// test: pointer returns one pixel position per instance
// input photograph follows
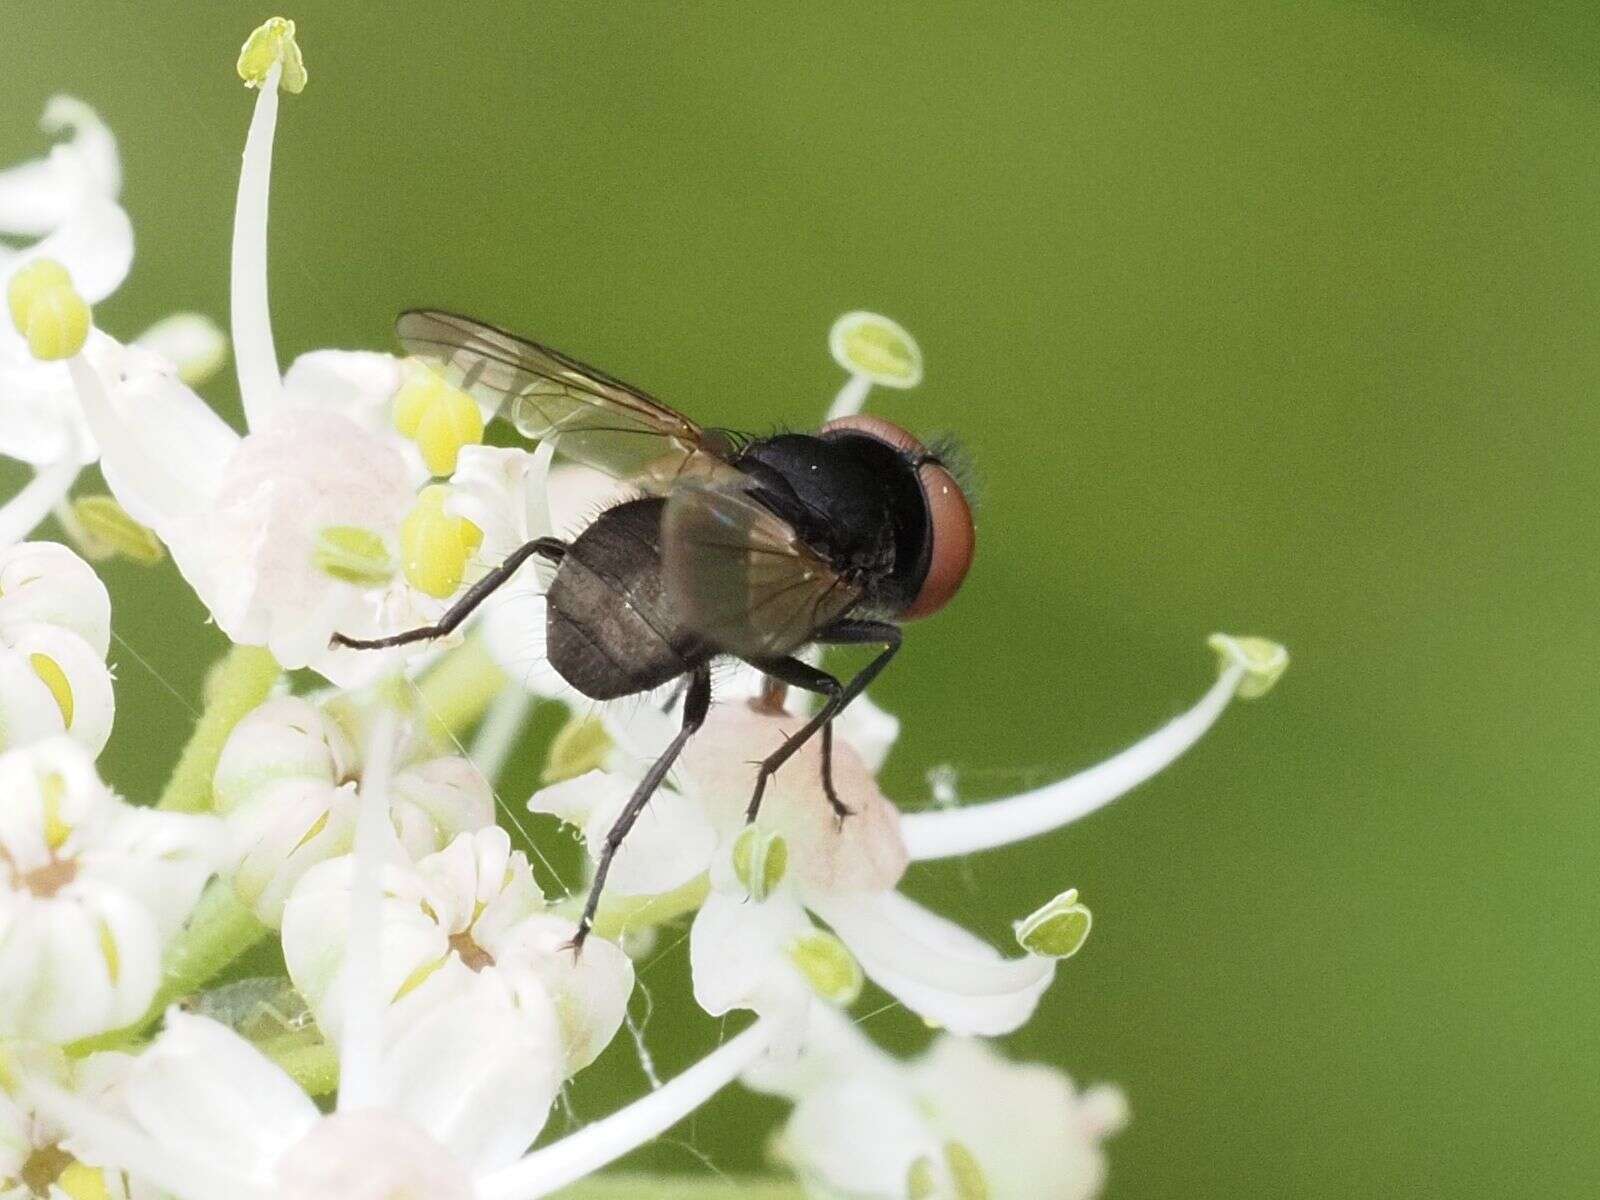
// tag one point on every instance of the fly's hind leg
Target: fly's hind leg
(796, 673)
(545, 547)
(697, 701)
(840, 633)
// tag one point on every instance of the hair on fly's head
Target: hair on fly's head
(949, 453)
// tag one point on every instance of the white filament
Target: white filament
(255, 356)
(950, 833)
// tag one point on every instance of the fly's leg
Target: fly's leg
(545, 547)
(840, 633)
(696, 702)
(795, 673)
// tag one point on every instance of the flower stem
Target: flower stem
(459, 688)
(953, 832)
(242, 680)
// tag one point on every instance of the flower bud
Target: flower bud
(106, 527)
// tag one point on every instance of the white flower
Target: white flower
(311, 523)
(34, 1161)
(91, 889)
(472, 909)
(55, 630)
(287, 786)
(959, 1123)
(752, 944)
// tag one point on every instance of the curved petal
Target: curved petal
(38, 195)
(210, 1096)
(94, 244)
(46, 582)
(77, 697)
(473, 1064)
(937, 969)
(736, 954)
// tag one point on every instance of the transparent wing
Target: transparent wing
(741, 578)
(599, 420)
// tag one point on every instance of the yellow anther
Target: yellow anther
(876, 348)
(1264, 662)
(47, 310)
(828, 965)
(56, 830)
(108, 528)
(582, 745)
(921, 1181)
(113, 957)
(965, 1172)
(760, 861)
(270, 44)
(1057, 929)
(439, 418)
(435, 546)
(53, 677)
(83, 1182)
(353, 554)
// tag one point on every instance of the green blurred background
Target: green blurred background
(1271, 317)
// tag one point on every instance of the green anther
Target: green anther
(873, 346)
(270, 44)
(760, 861)
(829, 967)
(47, 310)
(1056, 930)
(965, 1172)
(106, 525)
(583, 745)
(1264, 662)
(921, 1182)
(352, 554)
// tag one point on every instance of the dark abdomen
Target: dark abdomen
(610, 627)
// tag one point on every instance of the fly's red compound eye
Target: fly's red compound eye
(949, 514)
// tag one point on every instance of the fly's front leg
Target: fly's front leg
(697, 701)
(546, 547)
(840, 633)
(796, 673)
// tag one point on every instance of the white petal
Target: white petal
(46, 582)
(669, 844)
(858, 1137)
(41, 421)
(1030, 1131)
(29, 713)
(474, 1064)
(162, 450)
(590, 991)
(286, 738)
(370, 1154)
(94, 243)
(490, 489)
(193, 344)
(736, 953)
(211, 1096)
(937, 969)
(38, 195)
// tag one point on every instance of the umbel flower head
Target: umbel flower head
(435, 1005)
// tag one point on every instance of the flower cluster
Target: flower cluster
(316, 966)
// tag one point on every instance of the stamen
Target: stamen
(270, 56)
(47, 310)
(360, 1045)
(954, 832)
(1057, 929)
(874, 350)
(606, 1140)
(109, 528)
(435, 546)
